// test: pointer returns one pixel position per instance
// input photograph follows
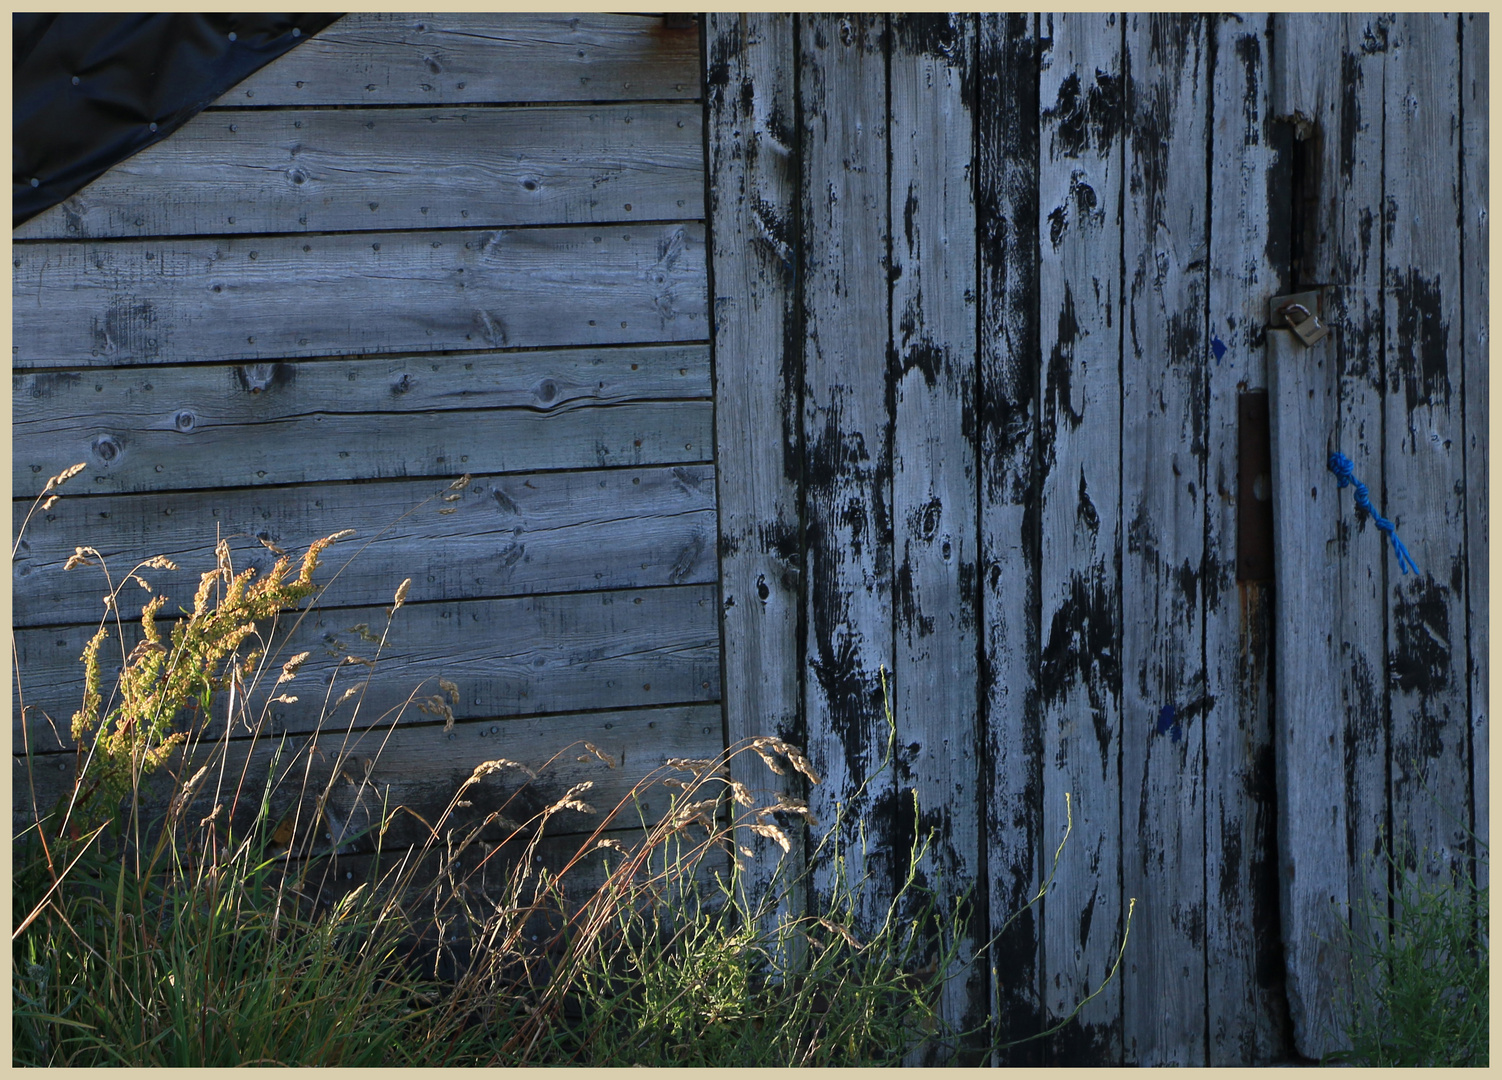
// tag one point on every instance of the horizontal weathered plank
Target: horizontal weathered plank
(509, 657)
(258, 298)
(129, 452)
(546, 381)
(508, 536)
(422, 769)
(396, 59)
(261, 171)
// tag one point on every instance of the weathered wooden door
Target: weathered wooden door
(990, 300)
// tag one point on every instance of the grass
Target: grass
(1424, 1001)
(179, 909)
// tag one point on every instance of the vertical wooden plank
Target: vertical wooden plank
(1166, 704)
(933, 331)
(1079, 682)
(1474, 338)
(1328, 79)
(1008, 370)
(1302, 388)
(1423, 458)
(848, 450)
(1247, 263)
(758, 363)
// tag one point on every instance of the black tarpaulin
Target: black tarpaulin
(91, 90)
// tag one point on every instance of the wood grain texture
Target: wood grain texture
(326, 170)
(1303, 388)
(1247, 263)
(276, 297)
(753, 200)
(422, 768)
(1334, 89)
(509, 657)
(933, 331)
(847, 429)
(470, 57)
(1166, 705)
(1347, 250)
(130, 457)
(1475, 271)
(505, 536)
(1424, 465)
(1081, 145)
(1008, 448)
(138, 446)
(542, 380)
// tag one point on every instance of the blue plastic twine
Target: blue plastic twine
(1340, 465)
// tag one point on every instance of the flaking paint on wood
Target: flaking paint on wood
(1008, 374)
(1423, 464)
(1081, 98)
(753, 198)
(1166, 705)
(1247, 259)
(933, 330)
(1303, 389)
(847, 431)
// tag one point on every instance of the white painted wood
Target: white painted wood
(1303, 387)
(477, 56)
(1242, 939)
(933, 330)
(505, 536)
(1081, 96)
(275, 297)
(1008, 372)
(1166, 706)
(847, 430)
(326, 170)
(753, 200)
(509, 657)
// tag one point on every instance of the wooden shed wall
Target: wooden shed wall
(990, 300)
(990, 360)
(417, 246)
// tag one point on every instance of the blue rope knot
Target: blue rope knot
(1340, 465)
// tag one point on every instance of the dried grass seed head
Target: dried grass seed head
(63, 477)
(289, 669)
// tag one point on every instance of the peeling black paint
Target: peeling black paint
(1350, 111)
(1080, 650)
(726, 46)
(1085, 513)
(1422, 367)
(1086, 119)
(1058, 398)
(1421, 659)
(1248, 50)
